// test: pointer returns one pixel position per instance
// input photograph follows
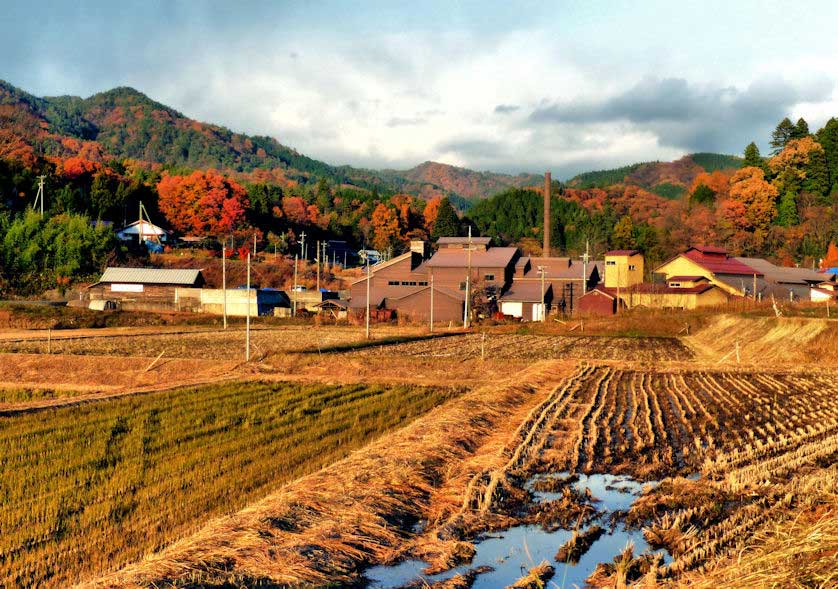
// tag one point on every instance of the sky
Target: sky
(502, 86)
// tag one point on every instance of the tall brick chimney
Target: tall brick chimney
(547, 182)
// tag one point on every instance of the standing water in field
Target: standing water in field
(511, 553)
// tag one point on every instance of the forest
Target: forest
(102, 156)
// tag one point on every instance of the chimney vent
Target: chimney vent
(547, 182)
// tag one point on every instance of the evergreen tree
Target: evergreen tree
(787, 210)
(753, 158)
(828, 138)
(817, 174)
(703, 194)
(801, 129)
(784, 132)
(447, 222)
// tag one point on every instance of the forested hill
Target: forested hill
(124, 123)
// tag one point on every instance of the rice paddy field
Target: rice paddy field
(526, 459)
(86, 489)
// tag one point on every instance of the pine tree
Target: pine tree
(784, 132)
(817, 174)
(787, 210)
(801, 129)
(828, 138)
(753, 158)
(447, 222)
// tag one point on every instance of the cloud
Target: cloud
(691, 116)
(405, 121)
(505, 109)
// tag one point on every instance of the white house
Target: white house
(140, 231)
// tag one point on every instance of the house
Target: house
(714, 264)
(598, 301)
(141, 231)
(676, 294)
(569, 278)
(623, 268)
(392, 279)
(782, 282)
(826, 291)
(143, 289)
(524, 300)
(448, 304)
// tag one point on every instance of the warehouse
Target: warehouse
(142, 289)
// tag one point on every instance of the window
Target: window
(462, 286)
(408, 283)
(423, 284)
(393, 283)
(610, 263)
(632, 267)
(675, 284)
(489, 277)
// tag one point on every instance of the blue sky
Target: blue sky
(505, 86)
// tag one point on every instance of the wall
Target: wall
(596, 303)
(417, 307)
(619, 275)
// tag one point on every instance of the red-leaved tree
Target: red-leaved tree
(203, 203)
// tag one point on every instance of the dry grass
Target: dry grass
(323, 527)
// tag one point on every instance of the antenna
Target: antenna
(39, 197)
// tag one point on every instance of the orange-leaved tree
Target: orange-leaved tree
(753, 205)
(385, 227)
(203, 203)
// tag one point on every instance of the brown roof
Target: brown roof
(651, 288)
(783, 274)
(685, 278)
(453, 293)
(494, 257)
(526, 291)
(598, 290)
(622, 253)
(464, 240)
(558, 269)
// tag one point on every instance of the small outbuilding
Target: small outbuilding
(524, 300)
(598, 301)
(143, 289)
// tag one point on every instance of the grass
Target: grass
(29, 394)
(86, 489)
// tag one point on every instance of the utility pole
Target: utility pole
(247, 326)
(294, 301)
(318, 266)
(466, 309)
(432, 302)
(39, 196)
(585, 259)
(368, 299)
(303, 244)
(542, 271)
(254, 245)
(224, 281)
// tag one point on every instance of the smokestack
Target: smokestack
(547, 182)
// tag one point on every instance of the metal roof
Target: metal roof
(622, 253)
(151, 276)
(494, 257)
(776, 273)
(464, 240)
(527, 292)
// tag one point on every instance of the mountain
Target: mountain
(667, 179)
(125, 123)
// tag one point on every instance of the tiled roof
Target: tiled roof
(151, 276)
(686, 278)
(494, 257)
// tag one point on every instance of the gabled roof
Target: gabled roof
(444, 290)
(782, 274)
(333, 303)
(653, 288)
(709, 250)
(559, 269)
(718, 262)
(381, 265)
(180, 277)
(622, 253)
(686, 278)
(528, 292)
(463, 240)
(599, 290)
(494, 257)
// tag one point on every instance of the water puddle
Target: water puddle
(513, 552)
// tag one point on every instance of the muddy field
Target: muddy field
(539, 347)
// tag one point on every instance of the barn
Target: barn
(143, 289)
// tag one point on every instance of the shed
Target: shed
(598, 302)
(144, 289)
(334, 308)
(448, 304)
(524, 300)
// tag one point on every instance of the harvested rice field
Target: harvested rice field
(538, 347)
(463, 460)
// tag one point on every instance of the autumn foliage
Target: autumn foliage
(203, 203)
(752, 200)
